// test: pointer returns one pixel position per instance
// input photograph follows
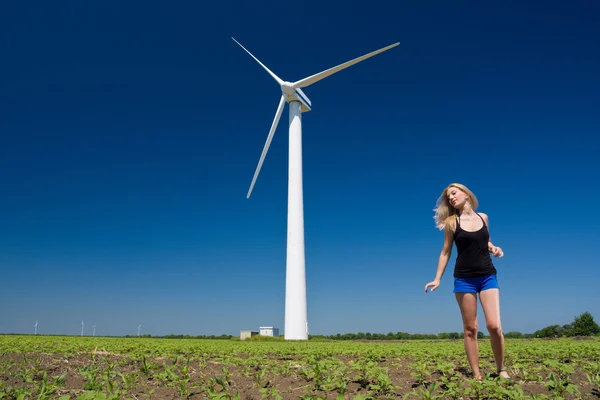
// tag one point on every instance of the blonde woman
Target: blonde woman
(474, 272)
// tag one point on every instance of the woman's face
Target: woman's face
(457, 197)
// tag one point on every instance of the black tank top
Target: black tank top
(473, 257)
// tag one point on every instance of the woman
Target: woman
(474, 271)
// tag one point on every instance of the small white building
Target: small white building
(247, 334)
(268, 331)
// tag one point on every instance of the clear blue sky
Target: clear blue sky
(130, 133)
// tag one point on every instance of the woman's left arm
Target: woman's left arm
(495, 250)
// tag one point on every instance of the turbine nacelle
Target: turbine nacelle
(290, 93)
(288, 88)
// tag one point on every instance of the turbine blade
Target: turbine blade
(278, 79)
(267, 143)
(304, 95)
(321, 75)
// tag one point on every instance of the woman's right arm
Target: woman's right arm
(442, 261)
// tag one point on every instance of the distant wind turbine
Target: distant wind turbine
(35, 326)
(81, 328)
(94, 326)
(139, 327)
(296, 322)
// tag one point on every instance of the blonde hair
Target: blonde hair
(445, 214)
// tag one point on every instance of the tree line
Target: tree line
(582, 325)
(221, 337)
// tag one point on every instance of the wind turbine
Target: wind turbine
(35, 326)
(81, 328)
(139, 327)
(296, 323)
(94, 331)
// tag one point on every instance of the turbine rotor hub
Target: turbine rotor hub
(288, 88)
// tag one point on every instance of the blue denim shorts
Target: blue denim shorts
(475, 285)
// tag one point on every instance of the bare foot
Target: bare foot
(478, 378)
(503, 374)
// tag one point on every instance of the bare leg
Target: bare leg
(468, 309)
(490, 302)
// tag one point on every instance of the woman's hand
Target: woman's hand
(433, 284)
(496, 251)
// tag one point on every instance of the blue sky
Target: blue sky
(131, 131)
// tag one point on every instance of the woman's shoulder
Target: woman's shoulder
(484, 216)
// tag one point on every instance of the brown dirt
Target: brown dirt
(20, 373)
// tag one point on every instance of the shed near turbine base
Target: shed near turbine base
(269, 331)
(247, 334)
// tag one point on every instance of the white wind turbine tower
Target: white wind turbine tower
(296, 323)
(139, 327)
(94, 330)
(81, 328)
(35, 326)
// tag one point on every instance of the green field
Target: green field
(52, 367)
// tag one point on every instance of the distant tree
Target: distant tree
(550, 331)
(567, 329)
(448, 335)
(584, 325)
(513, 335)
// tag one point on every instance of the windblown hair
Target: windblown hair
(445, 213)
